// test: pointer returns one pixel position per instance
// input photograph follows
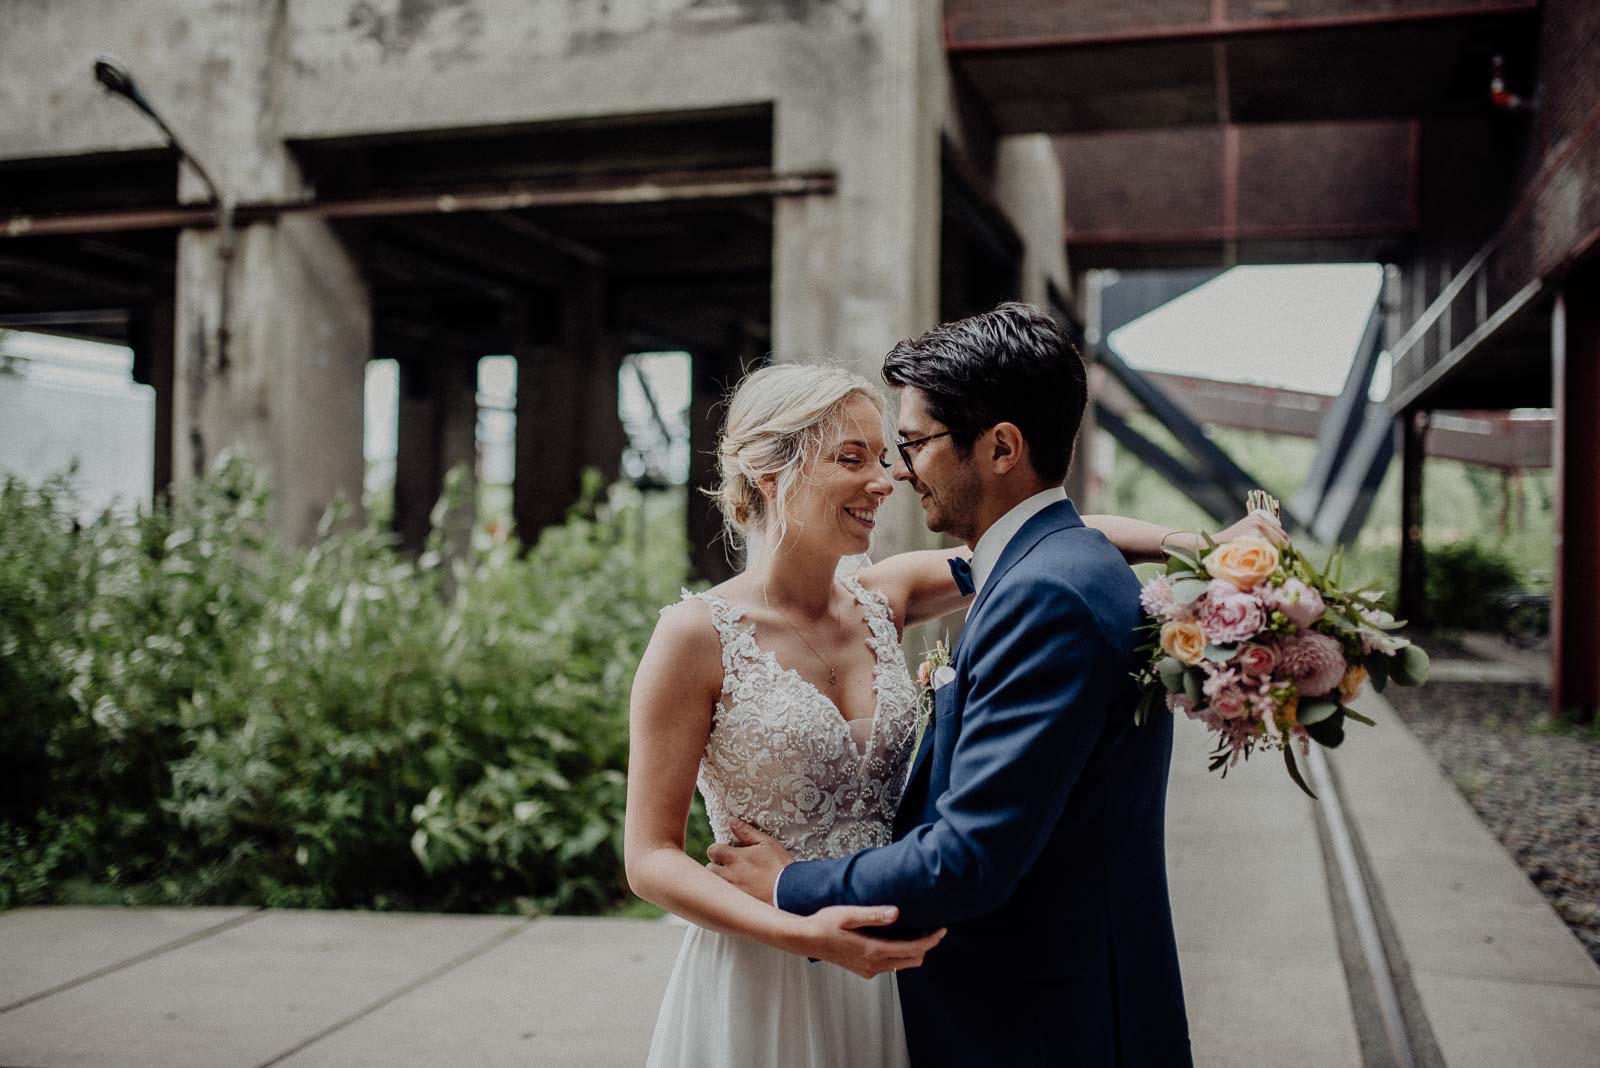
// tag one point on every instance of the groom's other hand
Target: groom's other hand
(752, 865)
(834, 934)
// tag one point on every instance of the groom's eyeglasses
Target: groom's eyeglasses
(905, 447)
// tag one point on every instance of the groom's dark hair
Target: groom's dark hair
(1010, 365)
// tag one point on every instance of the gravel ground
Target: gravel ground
(1537, 788)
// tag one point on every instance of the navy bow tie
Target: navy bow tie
(962, 570)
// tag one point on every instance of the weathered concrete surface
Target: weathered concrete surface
(241, 996)
(293, 392)
(1251, 909)
(1501, 978)
(562, 992)
(45, 948)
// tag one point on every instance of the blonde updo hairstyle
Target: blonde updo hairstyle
(778, 418)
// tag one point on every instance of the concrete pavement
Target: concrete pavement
(1500, 978)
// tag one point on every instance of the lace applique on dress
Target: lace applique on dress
(782, 758)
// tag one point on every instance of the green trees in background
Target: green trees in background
(192, 711)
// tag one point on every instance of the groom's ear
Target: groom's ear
(1006, 448)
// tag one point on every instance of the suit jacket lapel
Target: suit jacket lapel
(1058, 516)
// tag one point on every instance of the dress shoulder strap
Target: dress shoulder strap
(875, 606)
(736, 634)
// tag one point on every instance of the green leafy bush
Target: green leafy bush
(192, 711)
(1464, 582)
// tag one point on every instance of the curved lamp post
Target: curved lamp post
(116, 79)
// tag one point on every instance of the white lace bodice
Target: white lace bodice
(782, 758)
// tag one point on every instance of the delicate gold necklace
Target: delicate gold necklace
(833, 676)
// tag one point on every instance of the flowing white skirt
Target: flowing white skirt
(734, 1003)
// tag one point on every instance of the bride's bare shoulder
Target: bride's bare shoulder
(686, 637)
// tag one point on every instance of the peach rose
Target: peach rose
(1354, 679)
(1243, 561)
(1185, 642)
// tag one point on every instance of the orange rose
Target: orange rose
(1243, 561)
(1355, 677)
(1185, 642)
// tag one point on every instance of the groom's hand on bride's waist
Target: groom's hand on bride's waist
(834, 934)
(753, 863)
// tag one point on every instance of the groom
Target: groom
(1032, 823)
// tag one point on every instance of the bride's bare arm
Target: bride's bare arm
(920, 587)
(669, 721)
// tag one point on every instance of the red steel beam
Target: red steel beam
(1575, 345)
(1218, 26)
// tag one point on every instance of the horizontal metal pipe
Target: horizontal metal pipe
(676, 187)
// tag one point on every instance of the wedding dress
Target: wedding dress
(782, 758)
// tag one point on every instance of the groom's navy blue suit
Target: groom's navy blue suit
(1033, 827)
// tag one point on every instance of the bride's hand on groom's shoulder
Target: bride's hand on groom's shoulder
(834, 934)
(1255, 525)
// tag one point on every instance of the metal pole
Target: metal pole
(1413, 434)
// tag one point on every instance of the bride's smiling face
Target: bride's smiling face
(835, 505)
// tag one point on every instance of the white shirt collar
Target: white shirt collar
(987, 552)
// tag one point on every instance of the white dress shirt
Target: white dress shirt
(987, 552)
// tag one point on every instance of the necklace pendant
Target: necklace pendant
(833, 678)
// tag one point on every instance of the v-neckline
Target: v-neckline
(742, 616)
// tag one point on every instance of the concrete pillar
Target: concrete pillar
(1412, 596)
(566, 407)
(713, 371)
(858, 271)
(150, 335)
(1028, 188)
(438, 431)
(1575, 338)
(292, 391)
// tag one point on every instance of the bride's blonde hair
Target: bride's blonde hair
(777, 419)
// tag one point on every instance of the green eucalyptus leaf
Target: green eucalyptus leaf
(1409, 667)
(1220, 654)
(1171, 671)
(1146, 572)
(1188, 591)
(1315, 711)
(1185, 555)
(1191, 685)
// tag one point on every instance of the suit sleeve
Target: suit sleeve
(1035, 708)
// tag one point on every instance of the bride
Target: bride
(784, 695)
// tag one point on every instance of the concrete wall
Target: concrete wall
(857, 87)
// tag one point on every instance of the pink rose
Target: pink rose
(1258, 660)
(1229, 614)
(1314, 661)
(1302, 604)
(1229, 703)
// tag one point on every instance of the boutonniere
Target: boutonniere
(934, 673)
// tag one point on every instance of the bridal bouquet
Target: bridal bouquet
(1264, 649)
